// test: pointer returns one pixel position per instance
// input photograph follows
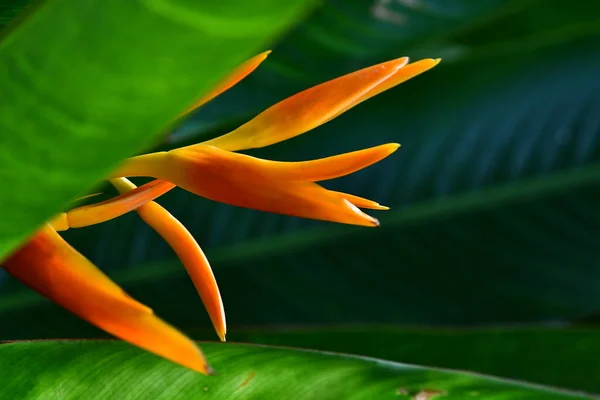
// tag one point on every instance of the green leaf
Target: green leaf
(10, 12)
(73, 370)
(85, 85)
(552, 356)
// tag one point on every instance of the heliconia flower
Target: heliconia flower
(211, 170)
(49, 265)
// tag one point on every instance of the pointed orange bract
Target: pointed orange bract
(361, 202)
(188, 251)
(308, 109)
(237, 75)
(402, 75)
(250, 182)
(315, 170)
(50, 266)
(112, 208)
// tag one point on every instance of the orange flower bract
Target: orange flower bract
(50, 266)
(279, 187)
(191, 255)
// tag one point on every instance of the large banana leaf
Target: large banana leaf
(85, 84)
(113, 370)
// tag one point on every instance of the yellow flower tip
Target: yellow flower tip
(360, 202)
(392, 147)
(418, 67)
(262, 56)
(232, 79)
(379, 207)
(371, 205)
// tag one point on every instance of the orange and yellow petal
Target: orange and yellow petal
(250, 182)
(311, 171)
(188, 251)
(402, 75)
(175, 163)
(50, 266)
(308, 109)
(236, 76)
(112, 208)
(361, 202)
(299, 199)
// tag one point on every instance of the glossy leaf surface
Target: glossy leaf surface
(72, 370)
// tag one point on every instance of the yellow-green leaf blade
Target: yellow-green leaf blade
(110, 370)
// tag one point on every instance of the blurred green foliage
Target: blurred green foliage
(495, 209)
